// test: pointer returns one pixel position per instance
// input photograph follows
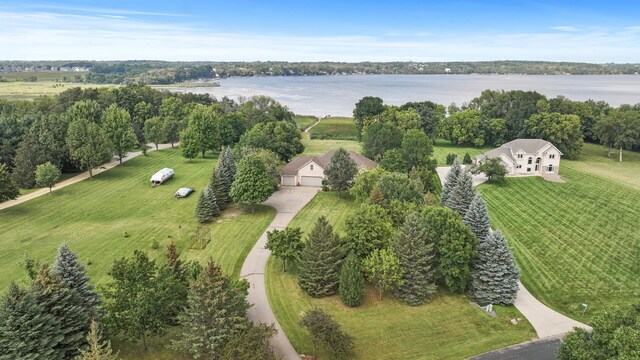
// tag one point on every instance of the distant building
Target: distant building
(447, 71)
(309, 170)
(527, 157)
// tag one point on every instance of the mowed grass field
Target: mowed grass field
(443, 147)
(93, 215)
(335, 128)
(304, 121)
(446, 328)
(319, 147)
(20, 90)
(576, 242)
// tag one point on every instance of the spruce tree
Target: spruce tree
(27, 331)
(450, 181)
(67, 308)
(207, 206)
(226, 168)
(462, 194)
(352, 281)
(494, 278)
(74, 275)
(477, 218)
(215, 311)
(319, 264)
(416, 254)
(98, 349)
(219, 191)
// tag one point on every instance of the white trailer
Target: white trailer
(162, 176)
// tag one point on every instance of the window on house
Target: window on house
(311, 166)
(519, 167)
(519, 156)
(528, 169)
(550, 167)
(552, 156)
(530, 161)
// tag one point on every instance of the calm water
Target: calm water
(336, 95)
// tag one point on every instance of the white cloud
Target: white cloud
(566, 28)
(50, 35)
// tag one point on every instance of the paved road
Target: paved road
(541, 349)
(287, 201)
(546, 321)
(77, 178)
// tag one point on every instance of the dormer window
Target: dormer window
(552, 156)
(519, 156)
(311, 166)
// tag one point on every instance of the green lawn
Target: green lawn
(21, 90)
(444, 147)
(577, 242)
(304, 121)
(92, 216)
(319, 147)
(335, 128)
(448, 327)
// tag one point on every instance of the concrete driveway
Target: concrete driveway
(287, 201)
(546, 321)
(444, 170)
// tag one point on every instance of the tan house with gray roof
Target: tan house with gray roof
(527, 157)
(309, 170)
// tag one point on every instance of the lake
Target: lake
(337, 95)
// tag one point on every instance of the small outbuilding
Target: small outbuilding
(309, 170)
(162, 176)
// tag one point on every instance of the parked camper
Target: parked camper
(162, 176)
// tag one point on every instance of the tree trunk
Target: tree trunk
(157, 146)
(144, 342)
(203, 151)
(609, 154)
(171, 145)
(620, 153)
(284, 265)
(50, 187)
(90, 172)
(120, 159)
(380, 291)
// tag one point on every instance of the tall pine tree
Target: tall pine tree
(207, 206)
(27, 331)
(477, 218)
(319, 265)
(74, 275)
(352, 281)
(494, 279)
(67, 307)
(226, 168)
(450, 181)
(462, 194)
(215, 311)
(219, 191)
(416, 254)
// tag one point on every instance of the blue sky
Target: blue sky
(589, 31)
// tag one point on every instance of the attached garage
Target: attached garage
(288, 180)
(311, 181)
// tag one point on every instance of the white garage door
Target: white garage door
(289, 180)
(311, 181)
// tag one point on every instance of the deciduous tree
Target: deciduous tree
(283, 138)
(87, 144)
(47, 175)
(325, 330)
(416, 149)
(392, 161)
(116, 125)
(368, 229)
(251, 343)
(252, 183)
(382, 269)
(155, 131)
(8, 189)
(564, 131)
(493, 168)
(378, 138)
(285, 244)
(365, 108)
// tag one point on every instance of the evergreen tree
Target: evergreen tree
(477, 218)
(320, 260)
(416, 255)
(377, 197)
(27, 331)
(207, 206)
(67, 308)
(352, 281)
(98, 349)
(219, 191)
(341, 171)
(74, 275)
(8, 188)
(251, 343)
(462, 194)
(495, 275)
(226, 168)
(324, 329)
(215, 311)
(175, 263)
(450, 181)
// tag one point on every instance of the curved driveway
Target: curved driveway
(287, 201)
(546, 321)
